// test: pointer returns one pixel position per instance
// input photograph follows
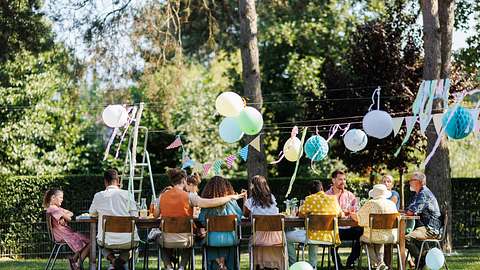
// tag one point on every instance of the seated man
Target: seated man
(113, 201)
(425, 205)
(315, 204)
(348, 204)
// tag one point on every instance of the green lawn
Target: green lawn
(467, 259)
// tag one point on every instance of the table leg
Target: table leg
(387, 257)
(401, 240)
(93, 246)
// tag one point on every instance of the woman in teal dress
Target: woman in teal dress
(220, 187)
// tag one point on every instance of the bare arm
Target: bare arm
(214, 202)
(394, 199)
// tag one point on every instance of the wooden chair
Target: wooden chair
(382, 222)
(267, 223)
(57, 245)
(177, 225)
(227, 223)
(321, 223)
(118, 224)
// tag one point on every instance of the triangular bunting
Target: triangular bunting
(229, 160)
(437, 122)
(397, 124)
(256, 143)
(217, 166)
(243, 153)
(424, 121)
(206, 168)
(175, 144)
(188, 163)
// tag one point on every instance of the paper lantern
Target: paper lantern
(115, 116)
(292, 149)
(355, 140)
(250, 121)
(461, 123)
(316, 148)
(301, 266)
(229, 130)
(435, 259)
(229, 104)
(378, 124)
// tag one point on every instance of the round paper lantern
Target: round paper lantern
(115, 116)
(461, 123)
(316, 148)
(435, 259)
(250, 121)
(377, 124)
(229, 104)
(301, 266)
(292, 149)
(355, 140)
(229, 130)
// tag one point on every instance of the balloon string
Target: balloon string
(375, 92)
(282, 155)
(294, 132)
(333, 130)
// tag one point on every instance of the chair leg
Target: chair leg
(99, 258)
(205, 262)
(250, 251)
(145, 256)
(56, 254)
(133, 259)
(335, 258)
(51, 256)
(419, 256)
(323, 255)
(159, 258)
(238, 256)
(368, 258)
(400, 265)
(361, 255)
(303, 251)
(330, 251)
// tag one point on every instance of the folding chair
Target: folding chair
(268, 223)
(177, 233)
(321, 223)
(57, 245)
(227, 223)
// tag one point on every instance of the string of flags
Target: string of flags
(216, 165)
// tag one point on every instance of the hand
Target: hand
(244, 192)
(62, 222)
(409, 213)
(354, 216)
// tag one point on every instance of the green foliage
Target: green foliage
(464, 158)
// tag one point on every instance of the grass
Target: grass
(465, 259)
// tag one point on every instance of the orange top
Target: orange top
(175, 203)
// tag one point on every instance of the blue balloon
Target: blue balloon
(229, 130)
(316, 148)
(460, 125)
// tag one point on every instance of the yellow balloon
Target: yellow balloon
(292, 149)
(229, 104)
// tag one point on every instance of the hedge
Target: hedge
(21, 201)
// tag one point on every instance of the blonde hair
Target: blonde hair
(388, 176)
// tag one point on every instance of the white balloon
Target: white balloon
(355, 140)
(292, 149)
(435, 259)
(378, 124)
(229, 104)
(301, 266)
(115, 116)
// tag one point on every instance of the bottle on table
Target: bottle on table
(143, 211)
(152, 206)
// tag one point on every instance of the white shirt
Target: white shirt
(258, 210)
(113, 201)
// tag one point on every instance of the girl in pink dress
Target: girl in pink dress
(79, 243)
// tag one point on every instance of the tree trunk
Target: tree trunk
(256, 162)
(437, 47)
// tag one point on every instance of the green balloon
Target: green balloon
(250, 121)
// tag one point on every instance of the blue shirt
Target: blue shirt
(425, 205)
(395, 194)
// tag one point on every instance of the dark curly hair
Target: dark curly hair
(260, 191)
(217, 187)
(176, 176)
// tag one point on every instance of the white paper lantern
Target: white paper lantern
(378, 124)
(115, 116)
(355, 140)
(292, 149)
(229, 104)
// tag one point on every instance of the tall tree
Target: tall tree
(437, 30)
(256, 162)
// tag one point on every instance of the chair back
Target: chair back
(119, 224)
(48, 220)
(222, 224)
(384, 221)
(177, 232)
(269, 223)
(320, 222)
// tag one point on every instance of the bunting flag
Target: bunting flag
(175, 144)
(256, 143)
(206, 168)
(397, 124)
(217, 166)
(188, 163)
(424, 121)
(243, 153)
(229, 160)
(437, 122)
(410, 123)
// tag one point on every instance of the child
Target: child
(79, 243)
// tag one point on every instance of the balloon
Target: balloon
(301, 266)
(250, 121)
(435, 259)
(229, 104)
(460, 125)
(229, 130)
(292, 149)
(355, 140)
(115, 116)
(378, 124)
(316, 148)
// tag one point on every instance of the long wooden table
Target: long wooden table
(290, 222)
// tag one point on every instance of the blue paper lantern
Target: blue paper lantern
(316, 148)
(461, 123)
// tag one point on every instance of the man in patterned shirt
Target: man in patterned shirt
(425, 205)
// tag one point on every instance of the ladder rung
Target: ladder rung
(135, 177)
(141, 164)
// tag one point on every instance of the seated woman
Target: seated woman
(262, 202)
(176, 202)
(220, 257)
(79, 243)
(379, 204)
(387, 180)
